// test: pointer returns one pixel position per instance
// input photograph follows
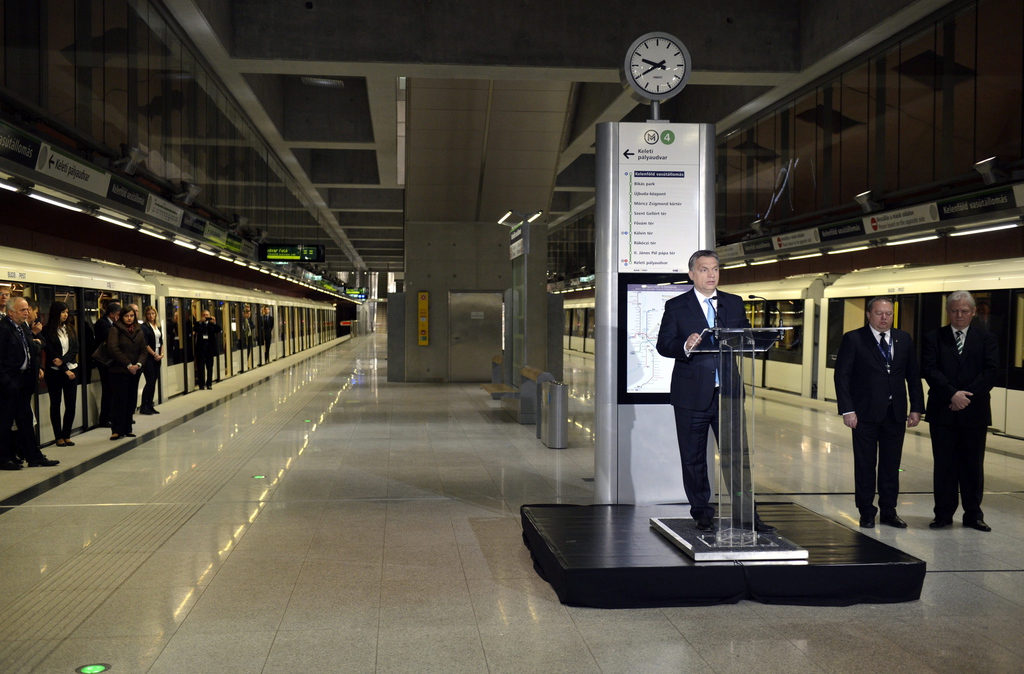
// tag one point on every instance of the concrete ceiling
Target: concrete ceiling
(438, 112)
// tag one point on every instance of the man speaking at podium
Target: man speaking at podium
(695, 376)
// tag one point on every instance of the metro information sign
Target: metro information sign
(292, 252)
(659, 185)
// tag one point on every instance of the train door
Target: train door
(93, 310)
(284, 330)
(226, 343)
(192, 315)
(247, 324)
(177, 349)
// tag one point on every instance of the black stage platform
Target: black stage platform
(608, 556)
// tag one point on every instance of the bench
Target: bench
(497, 388)
(524, 405)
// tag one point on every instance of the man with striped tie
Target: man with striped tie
(960, 362)
(876, 369)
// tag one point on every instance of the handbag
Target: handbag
(101, 356)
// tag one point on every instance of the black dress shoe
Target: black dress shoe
(939, 522)
(10, 465)
(129, 435)
(893, 520)
(762, 527)
(979, 525)
(43, 463)
(867, 521)
(704, 524)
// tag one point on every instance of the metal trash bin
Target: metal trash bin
(554, 413)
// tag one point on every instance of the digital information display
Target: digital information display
(292, 252)
(645, 376)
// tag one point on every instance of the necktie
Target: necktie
(24, 345)
(959, 342)
(711, 323)
(884, 346)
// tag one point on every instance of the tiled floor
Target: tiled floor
(328, 521)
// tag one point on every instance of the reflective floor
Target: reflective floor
(328, 521)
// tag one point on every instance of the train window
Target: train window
(906, 315)
(779, 313)
(174, 349)
(844, 314)
(247, 335)
(577, 322)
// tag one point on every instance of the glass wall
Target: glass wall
(910, 118)
(113, 73)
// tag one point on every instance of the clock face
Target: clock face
(657, 66)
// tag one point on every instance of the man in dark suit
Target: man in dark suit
(100, 330)
(695, 376)
(875, 368)
(266, 332)
(960, 363)
(205, 333)
(18, 375)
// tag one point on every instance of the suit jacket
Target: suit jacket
(863, 385)
(99, 333)
(51, 344)
(693, 376)
(947, 372)
(12, 357)
(266, 329)
(205, 335)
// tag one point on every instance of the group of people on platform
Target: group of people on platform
(129, 344)
(879, 391)
(21, 367)
(879, 394)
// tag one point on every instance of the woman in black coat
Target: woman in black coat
(127, 347)
(60, 371)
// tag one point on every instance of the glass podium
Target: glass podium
(735, 536)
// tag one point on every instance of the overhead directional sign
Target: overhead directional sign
(292, 252)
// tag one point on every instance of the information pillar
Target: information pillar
(654, 208)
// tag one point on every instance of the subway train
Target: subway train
(86, 286)
(821, 307)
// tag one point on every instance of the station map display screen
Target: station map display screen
(645, 375)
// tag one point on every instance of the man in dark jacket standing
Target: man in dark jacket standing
(100, 331)
(19, 369)
(205, 332)
(960, 362)
(695, 387)
(266, 332)
(876, 367)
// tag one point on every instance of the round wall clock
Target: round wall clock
(657, 66)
